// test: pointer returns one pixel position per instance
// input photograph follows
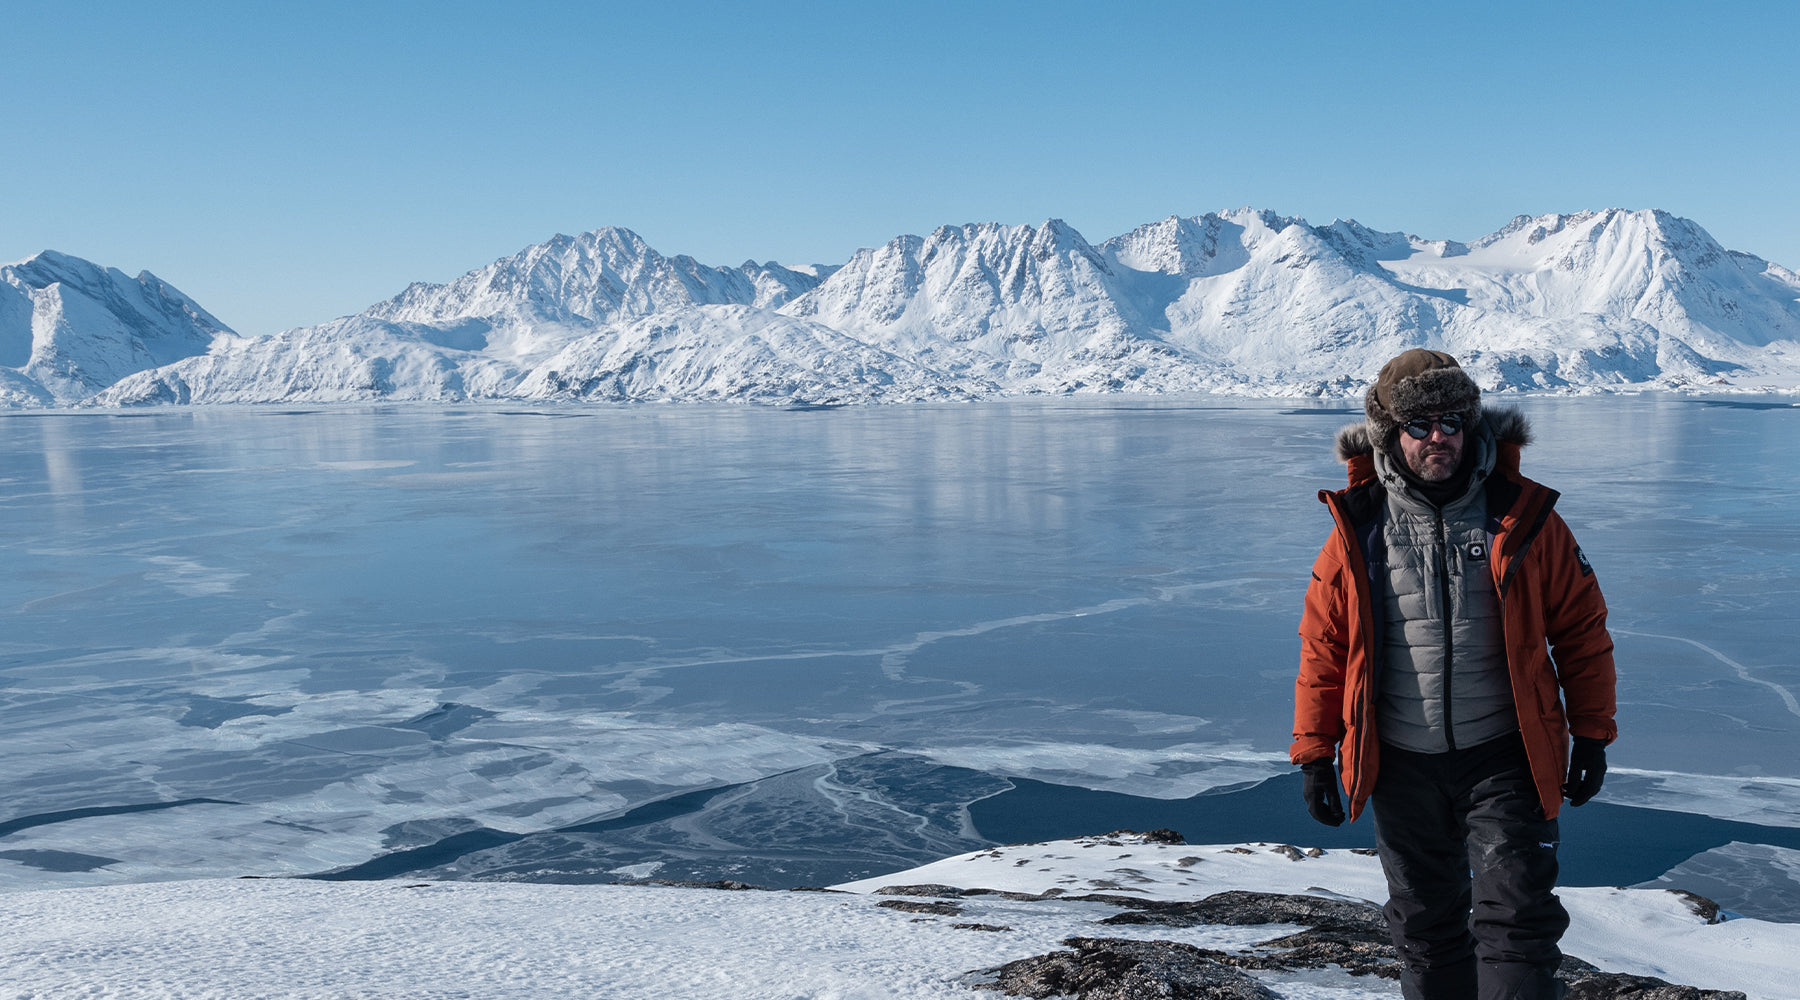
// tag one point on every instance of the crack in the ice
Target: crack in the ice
(893, 659)
(1743, 672)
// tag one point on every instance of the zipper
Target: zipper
(1443, 570)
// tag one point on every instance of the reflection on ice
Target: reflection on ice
(364, 632)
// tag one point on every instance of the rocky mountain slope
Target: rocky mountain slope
(1243, 301)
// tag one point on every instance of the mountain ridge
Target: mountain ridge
(1244, 301)
(70, 328)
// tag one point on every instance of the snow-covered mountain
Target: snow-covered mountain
(1241, 301)
(69, 329)
(1010, 307)
(524, 307)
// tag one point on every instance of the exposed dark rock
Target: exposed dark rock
(981, 927)
(1004, 894)
(1704, 908)
(1240, 907)
(1354, 936)
(1359, 952)
(1116, 969)
(1130, 902)
(932, 889)
(1160, 835)
(914, 906)
(1574, 968)
(688, 884)
(1341, 932)
(1586, 982)
(1619, 986)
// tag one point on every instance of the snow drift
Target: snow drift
(943, 930)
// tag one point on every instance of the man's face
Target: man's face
(1435, 456)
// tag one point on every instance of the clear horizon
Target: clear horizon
(285, 167)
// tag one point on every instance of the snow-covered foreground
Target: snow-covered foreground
(298, 938)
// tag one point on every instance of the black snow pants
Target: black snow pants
(1470, 862)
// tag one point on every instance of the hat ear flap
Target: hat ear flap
(1382, 425)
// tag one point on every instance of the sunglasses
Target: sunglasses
(1420, 429)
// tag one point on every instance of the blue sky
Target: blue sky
(285, 164)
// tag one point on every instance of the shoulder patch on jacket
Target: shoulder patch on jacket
(1587, 568)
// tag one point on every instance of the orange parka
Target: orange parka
(1558, 652)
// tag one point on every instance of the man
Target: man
(1454, 639)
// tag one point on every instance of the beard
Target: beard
(1436, 463)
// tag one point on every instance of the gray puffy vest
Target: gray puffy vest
(1444, 683)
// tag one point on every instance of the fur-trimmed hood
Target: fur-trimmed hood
(1512, 431)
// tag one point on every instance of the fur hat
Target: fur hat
(1419, 383)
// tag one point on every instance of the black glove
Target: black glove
(1587, 768)
(1321, 792)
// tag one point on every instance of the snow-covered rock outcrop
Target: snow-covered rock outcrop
(1240, 301)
